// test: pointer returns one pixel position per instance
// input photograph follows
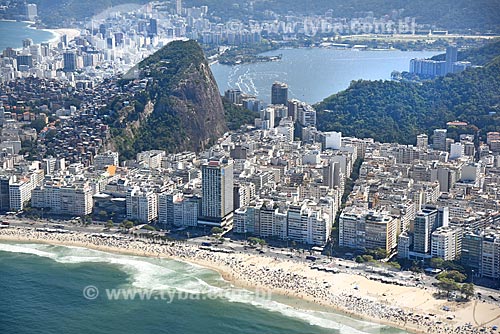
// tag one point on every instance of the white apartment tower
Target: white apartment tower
(422, 141)
(217, 193)
(142, 205)
(446, 243)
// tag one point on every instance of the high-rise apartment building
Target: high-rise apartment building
(481, 252)
(108, 158)
(153, 27)
(178, 209)
(24, 60)
(4, 192)
(279, 93)
(451, 58)
(422, 141)
(71, 199)
(233, 95)
(446, 243)
(31, 11)
(217, 193)
(381, 231)
(19, 192)
(427, 221)
(178, 7)
(472, 250)
(490, 259)
(142, 205)
(70, 61)
(360, 229)
(439, 140)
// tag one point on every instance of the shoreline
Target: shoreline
(293, 279)
(57, 33)
(71, 33)
(228, 277)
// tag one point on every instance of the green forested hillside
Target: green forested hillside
(236, 115)
(180, 108)
(398, 111)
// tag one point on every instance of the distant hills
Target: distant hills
(60, 13)
(398, 111)
(455, 15)
(443, 14)
(178, 109)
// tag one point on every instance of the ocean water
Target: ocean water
(313, 74)
(12, 34)
(41, 291)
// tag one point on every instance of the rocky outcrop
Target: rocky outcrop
(179, 108)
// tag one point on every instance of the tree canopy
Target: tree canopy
(391, 111)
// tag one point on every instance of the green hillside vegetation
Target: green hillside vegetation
(488, 52)
(169, 65)
(180, 108)
(398, 111)
(236, 115)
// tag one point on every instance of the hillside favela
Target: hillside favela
(250, 166)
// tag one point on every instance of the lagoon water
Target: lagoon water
(313, 74)
(41, 291)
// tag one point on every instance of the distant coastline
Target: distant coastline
(14, 32)
(6, 39)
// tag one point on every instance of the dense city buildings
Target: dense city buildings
(368, 230)
(282, 178)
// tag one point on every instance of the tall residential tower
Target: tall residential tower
(279, 93)
(217, 193)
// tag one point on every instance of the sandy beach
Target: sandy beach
(70, 33)
(408, 307)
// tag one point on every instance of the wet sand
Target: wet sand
(406, 307)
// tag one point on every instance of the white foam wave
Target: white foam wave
(25, 250)
(144, 274)
(315, 318)
(154, 274)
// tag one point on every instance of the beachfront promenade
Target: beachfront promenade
(409, 307)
